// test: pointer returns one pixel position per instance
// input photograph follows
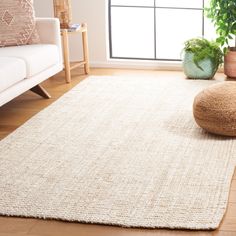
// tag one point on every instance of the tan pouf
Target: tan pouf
(214, 109)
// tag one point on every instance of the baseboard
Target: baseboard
(141, 65)
(127, 64)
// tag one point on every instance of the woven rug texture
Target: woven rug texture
(119, 151)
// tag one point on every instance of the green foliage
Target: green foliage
(223, 15)
(203, 49)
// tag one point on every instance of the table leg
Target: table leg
(66, 55)
(85, 50)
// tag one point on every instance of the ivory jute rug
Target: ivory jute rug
(121, 151)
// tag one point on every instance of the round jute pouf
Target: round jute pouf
(214, 109)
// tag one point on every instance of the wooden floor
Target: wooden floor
(16, 112)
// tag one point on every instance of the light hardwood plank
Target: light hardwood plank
(224, 233)
(14, 225)
(234, 177)
(232, 196)
(229, 221)
(233, 185)
(48, 228)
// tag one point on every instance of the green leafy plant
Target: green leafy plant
(203, 49)
(223, 15)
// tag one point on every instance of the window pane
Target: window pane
(133, 2)
(173, 28)
(132, 32)
(180, 3)
(210, 32)
(207, 3)
(209, 29)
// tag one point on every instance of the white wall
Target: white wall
(94, 13)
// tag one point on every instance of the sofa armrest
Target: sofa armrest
(49, 32)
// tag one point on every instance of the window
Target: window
(155, 29)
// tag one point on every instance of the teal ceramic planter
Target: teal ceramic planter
(193, 72)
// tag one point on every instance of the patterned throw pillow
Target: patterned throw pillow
(17, 23)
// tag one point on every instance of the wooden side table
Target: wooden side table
(65, 44)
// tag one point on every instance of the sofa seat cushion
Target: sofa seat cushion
(38, 57)
(12, 70)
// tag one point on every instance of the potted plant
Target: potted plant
(223, 15)
(202, 58)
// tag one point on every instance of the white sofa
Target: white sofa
(23, 68)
